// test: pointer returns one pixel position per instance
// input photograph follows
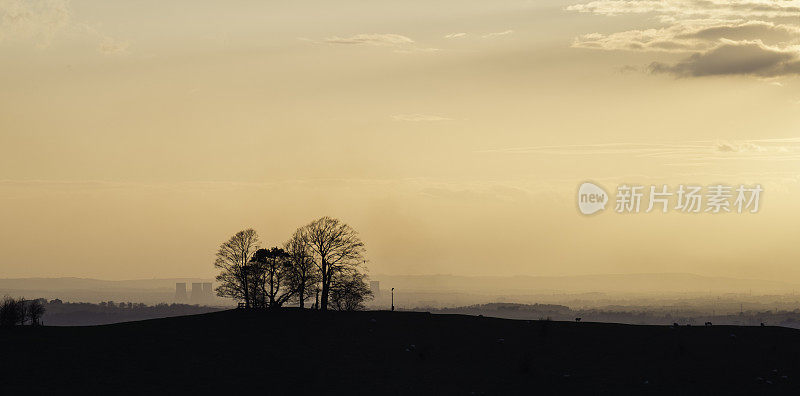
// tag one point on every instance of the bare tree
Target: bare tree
(12, 311)
(336, 248)
(349, 290)
(303, 277)
(272, 268)
(233, 259)
(34, 312)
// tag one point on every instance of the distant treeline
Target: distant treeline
(60, 313)
(18, 311)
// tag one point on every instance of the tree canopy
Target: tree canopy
(324, 257)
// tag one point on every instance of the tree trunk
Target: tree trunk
(264, 292)
(324, 302)
(272, 285)
(302, 293)
(246, 287)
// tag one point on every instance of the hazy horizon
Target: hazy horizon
(652, 283)
(376, 276)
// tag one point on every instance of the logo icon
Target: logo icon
(591, 198)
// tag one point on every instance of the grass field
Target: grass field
(395, 353)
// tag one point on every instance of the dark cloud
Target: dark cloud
(734, 58)
(726, 37)
(765, 31)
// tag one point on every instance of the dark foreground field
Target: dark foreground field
(400, 353)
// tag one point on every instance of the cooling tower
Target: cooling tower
(208, 292)
(197, 292)
(180, 292)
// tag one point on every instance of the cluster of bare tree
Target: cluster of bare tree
(18, 311)
(321, 260)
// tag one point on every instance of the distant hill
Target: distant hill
(304, 352)
(70, 283)
(423, 290)
(149, 291)
(609, 283)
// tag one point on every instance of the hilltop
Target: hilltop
(395, 353)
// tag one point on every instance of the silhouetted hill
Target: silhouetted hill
(395, 353)
(85, 314)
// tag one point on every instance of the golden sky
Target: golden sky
(137, 136)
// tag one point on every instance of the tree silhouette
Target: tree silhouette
(12, 311)
(336, 248)
(272, 269)
(303, 277)
(237, 273)
(349, 290)
(34, 312)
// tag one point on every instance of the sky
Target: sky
(135, 137)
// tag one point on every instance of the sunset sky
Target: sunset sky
(137, 136)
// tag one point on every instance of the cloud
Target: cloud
(685, 9)
(724, 37)
(767, 32)
(414, 49)
(419, 118)
(726, 147)
(735, 58)
(400, 43)
(636, 40)
(38, 20)
(455, 35)
(690, 36)
(376, 39)
(498, 34)
(43, 21)
(110, 46)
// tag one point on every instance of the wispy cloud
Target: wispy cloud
(379, 39)
(111, 46)
(692, 152)
(727, 147)
(498, 34)
(693, 8)
(455, 35)
(414, 49)
(399, 43)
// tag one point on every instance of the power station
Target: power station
(202, 293)
(180, 292)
